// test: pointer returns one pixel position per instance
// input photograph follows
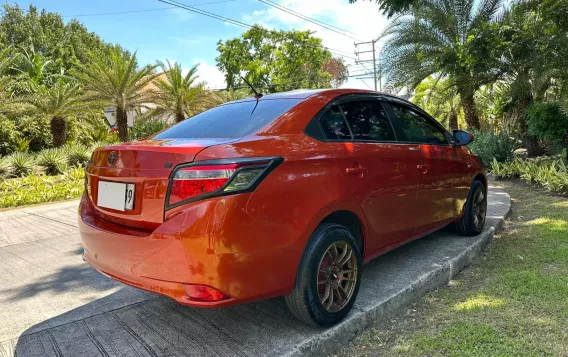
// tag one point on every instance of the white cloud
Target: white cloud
(210, 74)
(362, 19)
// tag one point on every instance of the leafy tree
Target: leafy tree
(338, 70)
(115, 80)
(460, 39)
(439, 98)
(67, 45)
(57, 103)
(177, 95)
(277, 60)
(392, 7)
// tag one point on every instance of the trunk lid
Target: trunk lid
(147, 165)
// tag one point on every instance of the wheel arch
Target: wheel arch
(352, 222)
(480, 177)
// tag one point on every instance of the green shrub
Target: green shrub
(36, 130)
(78, 155)
(39, 188)
(22, 144)
(489, 147)
(5, 167)
(53, 161)
(8, 136)
(548, 122)
(22, 163)
(144, 128)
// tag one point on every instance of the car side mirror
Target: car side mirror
(462, 138)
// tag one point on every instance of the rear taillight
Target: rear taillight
(197, 181)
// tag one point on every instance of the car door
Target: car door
(380, 173)
(442, 182)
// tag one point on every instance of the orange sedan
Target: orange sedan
(284, 195)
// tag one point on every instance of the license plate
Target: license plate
(115, 195)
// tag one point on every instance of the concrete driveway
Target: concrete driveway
(54, 304)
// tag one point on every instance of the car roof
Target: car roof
(307, 93)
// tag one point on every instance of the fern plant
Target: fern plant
(53, 161)
(22, 164)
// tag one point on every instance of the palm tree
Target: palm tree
(229, 95)
(454, 38)
(438, 96)
(57, 103)
(177, 95)
(115, 80)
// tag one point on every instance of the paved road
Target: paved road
(54, 304)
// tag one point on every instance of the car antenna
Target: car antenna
(257, 95)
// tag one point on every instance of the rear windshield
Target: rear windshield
(230, 120)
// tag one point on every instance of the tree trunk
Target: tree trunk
(180, 117)
(122, 124)
(453, 122)
(470, 111)
(58, 130)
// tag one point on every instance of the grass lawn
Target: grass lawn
(41, 189)
(512, 301)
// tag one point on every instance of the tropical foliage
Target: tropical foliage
(458, 39)
(56, 103)
(178, 95)
(552, 174)
(39, 189)
(115, 80)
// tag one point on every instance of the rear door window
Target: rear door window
(368, 120)
(334, 125)
(417, 128)
(230, 120)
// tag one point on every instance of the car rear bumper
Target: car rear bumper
(202, 245)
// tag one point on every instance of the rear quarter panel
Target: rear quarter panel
(295, 197)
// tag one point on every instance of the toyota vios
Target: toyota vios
(285, 195)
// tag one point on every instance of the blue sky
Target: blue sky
(189, 38)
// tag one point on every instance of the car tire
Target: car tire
(325, 269)
(475, 211)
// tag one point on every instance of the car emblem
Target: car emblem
(112, 158)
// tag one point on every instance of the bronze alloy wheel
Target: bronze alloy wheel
(479, 209)
(337, 276)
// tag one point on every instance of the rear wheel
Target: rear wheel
(475, 211)
(328, 277)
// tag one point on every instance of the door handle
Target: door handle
(356, 170)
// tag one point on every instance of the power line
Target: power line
(205, 13)
(319, 23)
(234, 22)
(143, 10)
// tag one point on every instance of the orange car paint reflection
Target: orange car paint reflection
(249, 245)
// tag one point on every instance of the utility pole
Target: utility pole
(376, 78)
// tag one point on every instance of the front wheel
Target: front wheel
(475, 210)
(328, 278)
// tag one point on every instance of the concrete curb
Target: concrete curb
(331, 340)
